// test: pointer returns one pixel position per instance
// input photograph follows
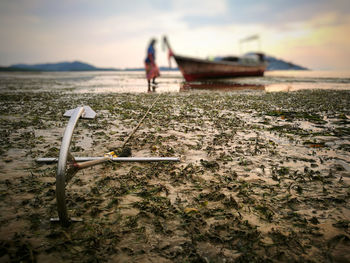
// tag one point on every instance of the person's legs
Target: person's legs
(154, 84)
(148, 72)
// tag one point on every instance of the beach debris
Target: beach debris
(125, 152)
(189, 210)
(315, 144)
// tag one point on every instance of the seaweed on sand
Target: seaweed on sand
(250, 187)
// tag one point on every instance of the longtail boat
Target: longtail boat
(192, 69)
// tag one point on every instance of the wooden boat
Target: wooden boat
(192, 69)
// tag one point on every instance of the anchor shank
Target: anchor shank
(61, 167)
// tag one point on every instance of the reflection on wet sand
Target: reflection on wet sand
(219, 86)
(287, 87)
(278, 87)
(170, 81)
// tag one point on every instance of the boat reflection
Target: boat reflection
(219, 86)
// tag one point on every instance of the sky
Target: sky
(115, 33)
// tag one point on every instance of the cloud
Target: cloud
(320, 42)
(115, 33)
(275, 13)
(207, 8)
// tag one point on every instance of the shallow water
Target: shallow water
(170, 81)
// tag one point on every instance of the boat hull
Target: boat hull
(197, 69)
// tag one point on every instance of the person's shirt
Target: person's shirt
(150, 55)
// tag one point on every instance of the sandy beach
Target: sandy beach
(263, 177)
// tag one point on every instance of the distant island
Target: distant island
(279, 64)
(273, 64)
(61, 66)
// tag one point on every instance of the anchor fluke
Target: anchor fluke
(87, 114)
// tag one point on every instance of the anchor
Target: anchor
(68, 166)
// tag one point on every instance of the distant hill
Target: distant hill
(279, 64)
(273, 64)
(13, 69)
(62, 66)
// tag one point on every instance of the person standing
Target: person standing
(152, 71)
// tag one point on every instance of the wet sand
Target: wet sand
(263, 177)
